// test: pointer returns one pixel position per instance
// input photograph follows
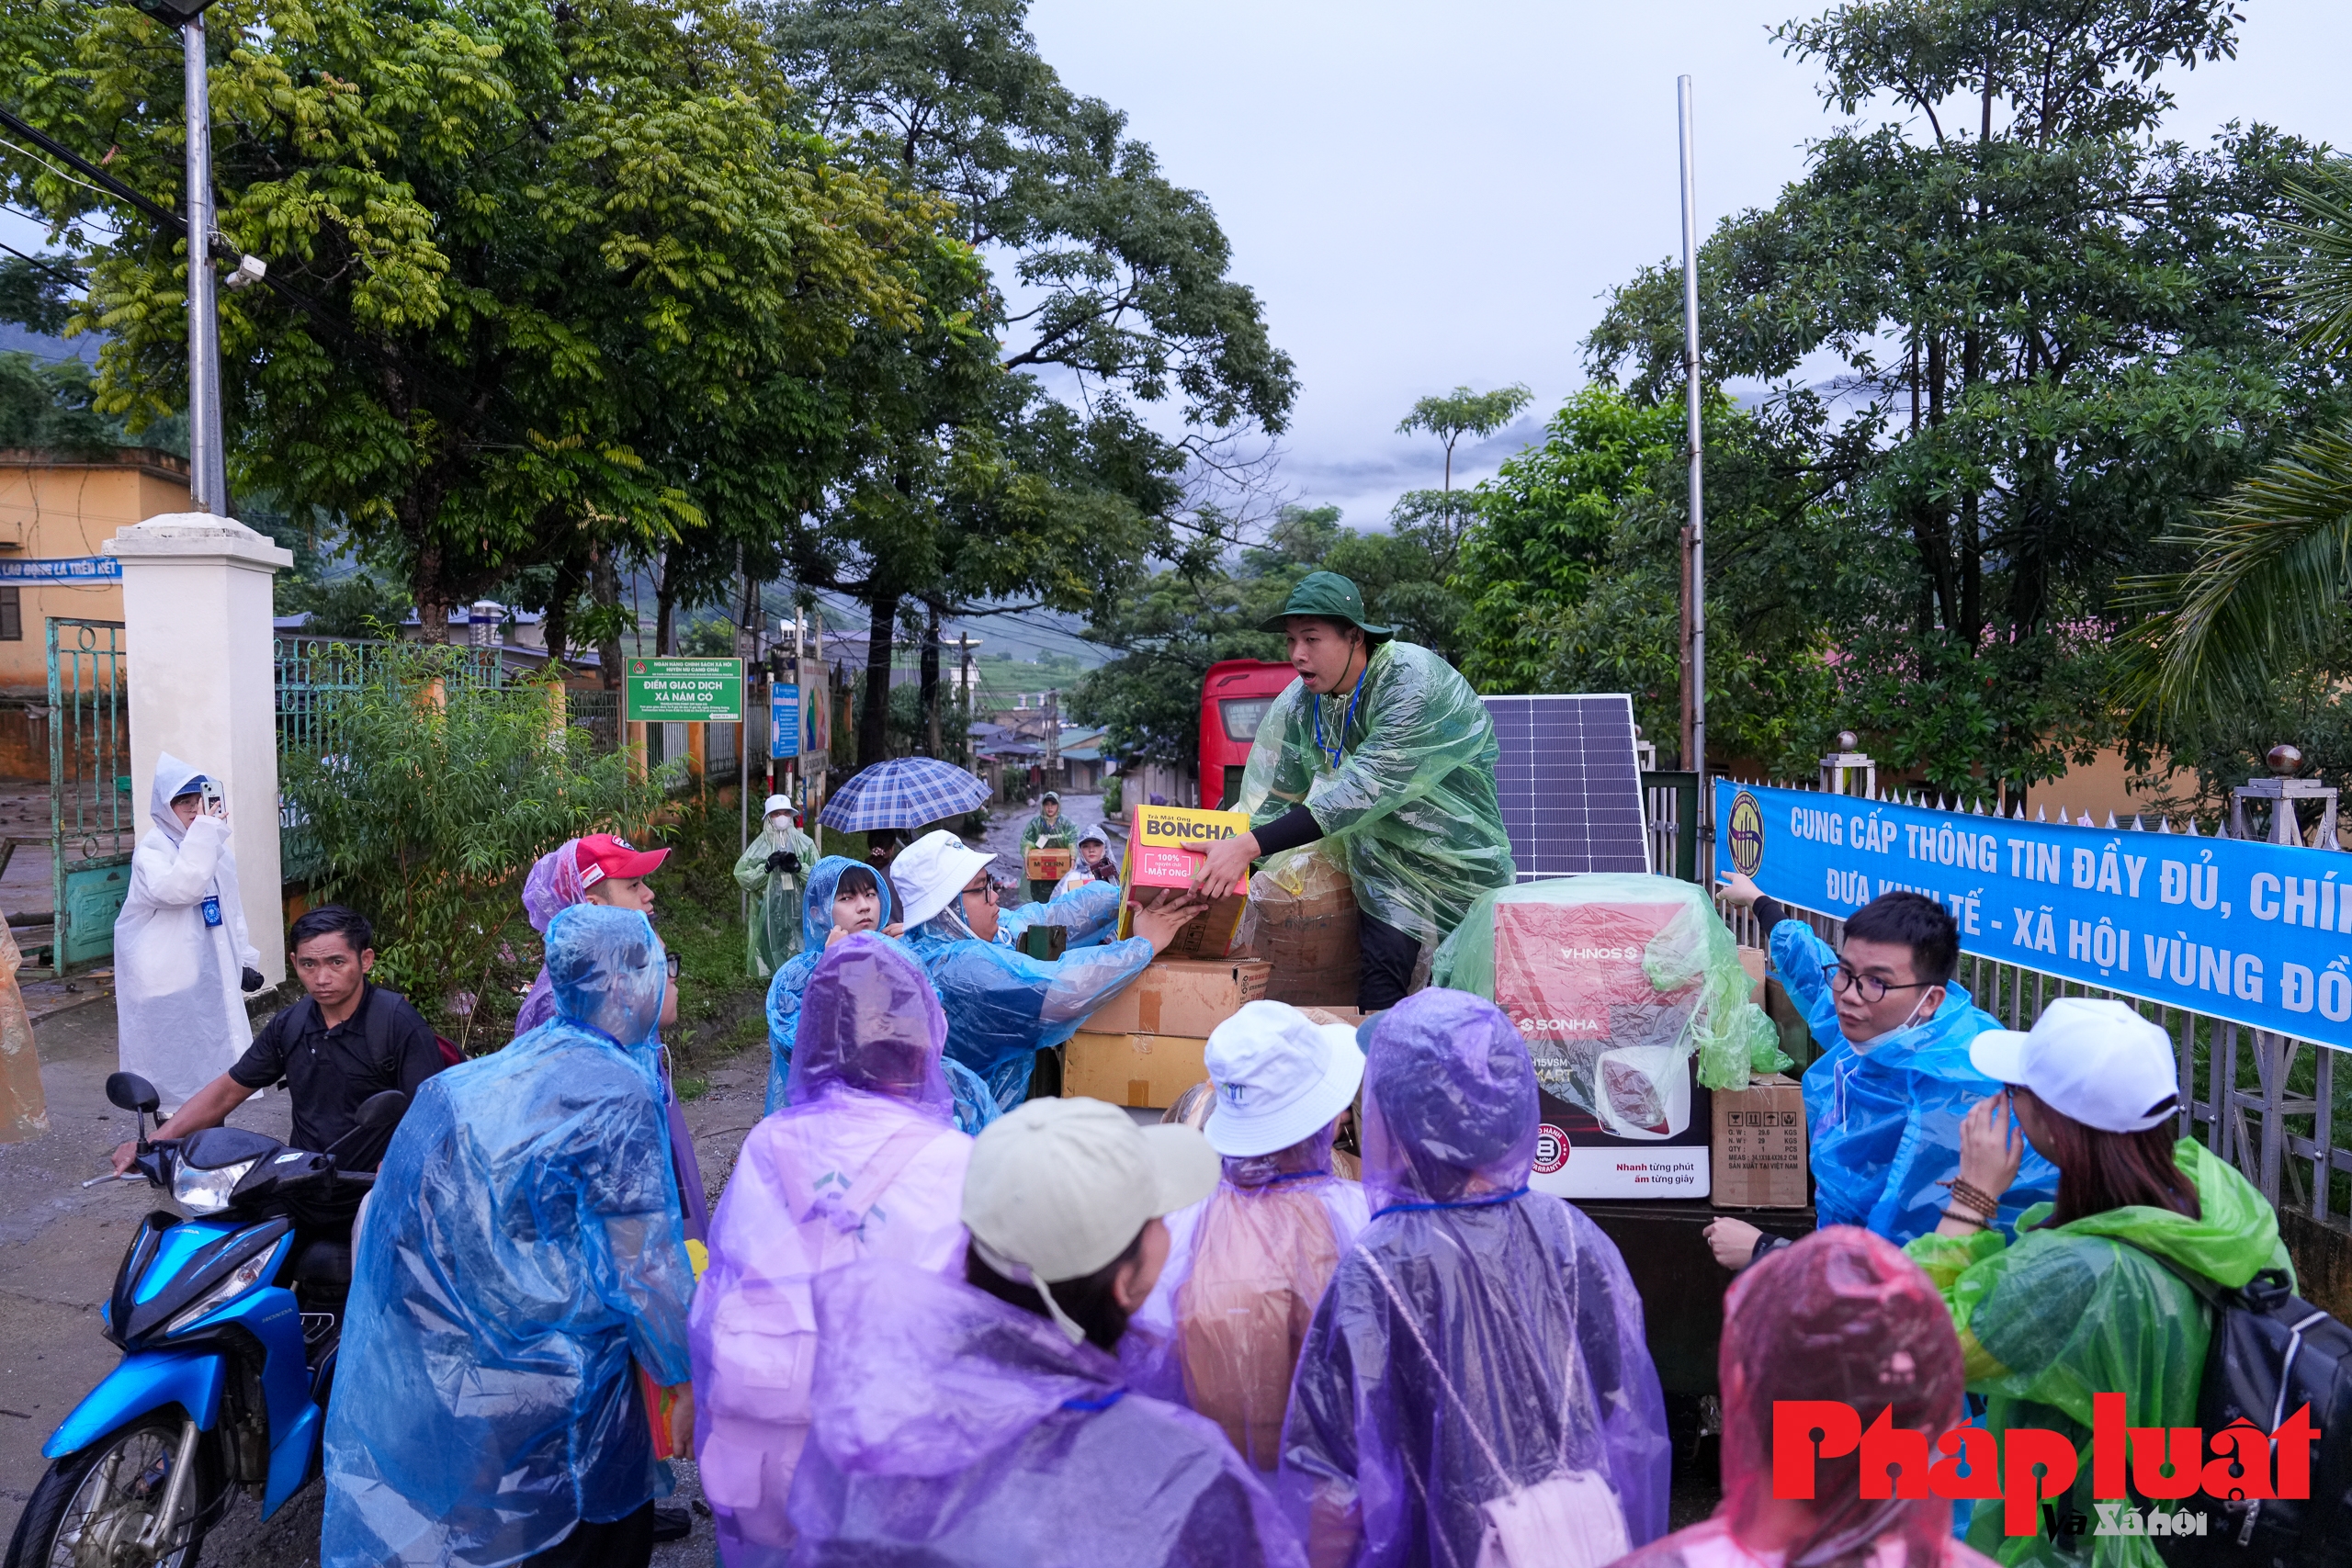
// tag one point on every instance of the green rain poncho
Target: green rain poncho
(1409, 801)
(2062, 1314)
(773, 935)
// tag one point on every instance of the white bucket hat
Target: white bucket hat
(932, 871)
(1057, 1188)
(1280, 1077)
(777, 802)
(2097, 1061)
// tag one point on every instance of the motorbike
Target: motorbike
(228, 1313)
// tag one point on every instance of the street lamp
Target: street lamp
(207, 460)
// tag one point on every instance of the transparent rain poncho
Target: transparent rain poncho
(523, 1247)
(1087, 912)
(1410, 803)
(775, 932)
(2089, 1306)
(1602, 1033)
(1885, 1117)
(1004, 1007)
(958, 1431)
(1478, 1341)
(179, 998)
(551, 887)
(1841, 1316)
(1246, 1266)
(864, 1161)
(976, 1106)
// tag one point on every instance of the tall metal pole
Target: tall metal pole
(1694, 656)
(207, 461)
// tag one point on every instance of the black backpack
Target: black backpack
(376, 1029)
(2273, 1352)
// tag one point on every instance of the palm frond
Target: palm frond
(2319, 277)
(2272, 574)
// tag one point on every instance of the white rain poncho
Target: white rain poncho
(180, 948)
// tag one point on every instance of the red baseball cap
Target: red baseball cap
(602, 855)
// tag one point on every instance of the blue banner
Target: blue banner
(784, 723)
(2257, 934)
(62, 568)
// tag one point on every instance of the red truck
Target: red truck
(1235, 696)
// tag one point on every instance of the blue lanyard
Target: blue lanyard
(1332, 753)
(1514, 1193)
(1103, 1402)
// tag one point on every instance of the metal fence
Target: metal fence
(2267, 1103)
(93, 809)
(314, 673)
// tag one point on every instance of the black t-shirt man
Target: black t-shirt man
(331, 1072)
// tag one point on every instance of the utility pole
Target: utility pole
(1694, 572)
(964, 684)
(208, 459)
(1053, 737)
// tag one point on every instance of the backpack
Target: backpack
(2271, 1353)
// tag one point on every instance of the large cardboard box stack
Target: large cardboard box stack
(1164, 852)
(1759, 1145)
(1144, 1046)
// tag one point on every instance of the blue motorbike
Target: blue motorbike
(228, 1320)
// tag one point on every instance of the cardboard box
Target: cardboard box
(1302, 919)
(1176, 995)
(1132, 1069)
(1317, 1014)
(1754, 960)
(1163, 853)
(1759, 1145)
(1045, 865)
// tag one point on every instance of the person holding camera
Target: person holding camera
(183, 962)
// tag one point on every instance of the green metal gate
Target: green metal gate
(93, 825)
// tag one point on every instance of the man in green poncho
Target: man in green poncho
(1049, 830)
(771, 870)
(1383, 748)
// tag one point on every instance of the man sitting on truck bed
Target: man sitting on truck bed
(1886, 1096)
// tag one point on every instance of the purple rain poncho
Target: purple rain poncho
(957, 1430)
(864, 1161)
(552, 887)
(1246, 1265)
(1478, 1338)
(524, 1246)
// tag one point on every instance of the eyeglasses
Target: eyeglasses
(984, 888)
(673, 966)
(1870, 987)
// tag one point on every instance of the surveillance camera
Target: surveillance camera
(250, 270)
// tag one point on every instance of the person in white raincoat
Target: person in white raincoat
(181, 956)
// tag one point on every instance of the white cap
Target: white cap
(1280, 1077)
(1057, 1189)
(776, 802)
(931, 872)
(2098, 1062)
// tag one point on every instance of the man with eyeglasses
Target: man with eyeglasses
(1886, 1096)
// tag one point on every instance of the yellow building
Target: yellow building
(54, 506)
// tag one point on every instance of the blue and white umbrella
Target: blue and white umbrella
(903, 792)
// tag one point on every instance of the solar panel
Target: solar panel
(1569, 785)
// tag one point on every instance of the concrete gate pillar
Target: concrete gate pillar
(197, 611)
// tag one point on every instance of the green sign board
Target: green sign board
(667, 690)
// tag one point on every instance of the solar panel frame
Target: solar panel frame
(1569, 784)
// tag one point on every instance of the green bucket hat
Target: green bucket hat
(1332, 597)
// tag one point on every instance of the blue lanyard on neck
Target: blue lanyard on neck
(1515, 1192)
(1103, 1402)
(1332, 752)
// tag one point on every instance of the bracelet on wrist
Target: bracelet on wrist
(1977, 1198)
(1967, 1219)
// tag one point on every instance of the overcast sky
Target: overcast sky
(1428, 195)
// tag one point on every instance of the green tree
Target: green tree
(526, 262)
(1461, 413)
(974, 493)
(2053, 344)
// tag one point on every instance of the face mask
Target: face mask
(1908, 1018)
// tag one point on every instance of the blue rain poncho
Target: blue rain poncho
(955, 1430)
(1887, 1117)
(1088, 911)
(1477, 1340)
(524, 1246)
(1004, 1007)
(976, 1107)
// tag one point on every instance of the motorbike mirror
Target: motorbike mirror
(129, 1091)
(382, 1110)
